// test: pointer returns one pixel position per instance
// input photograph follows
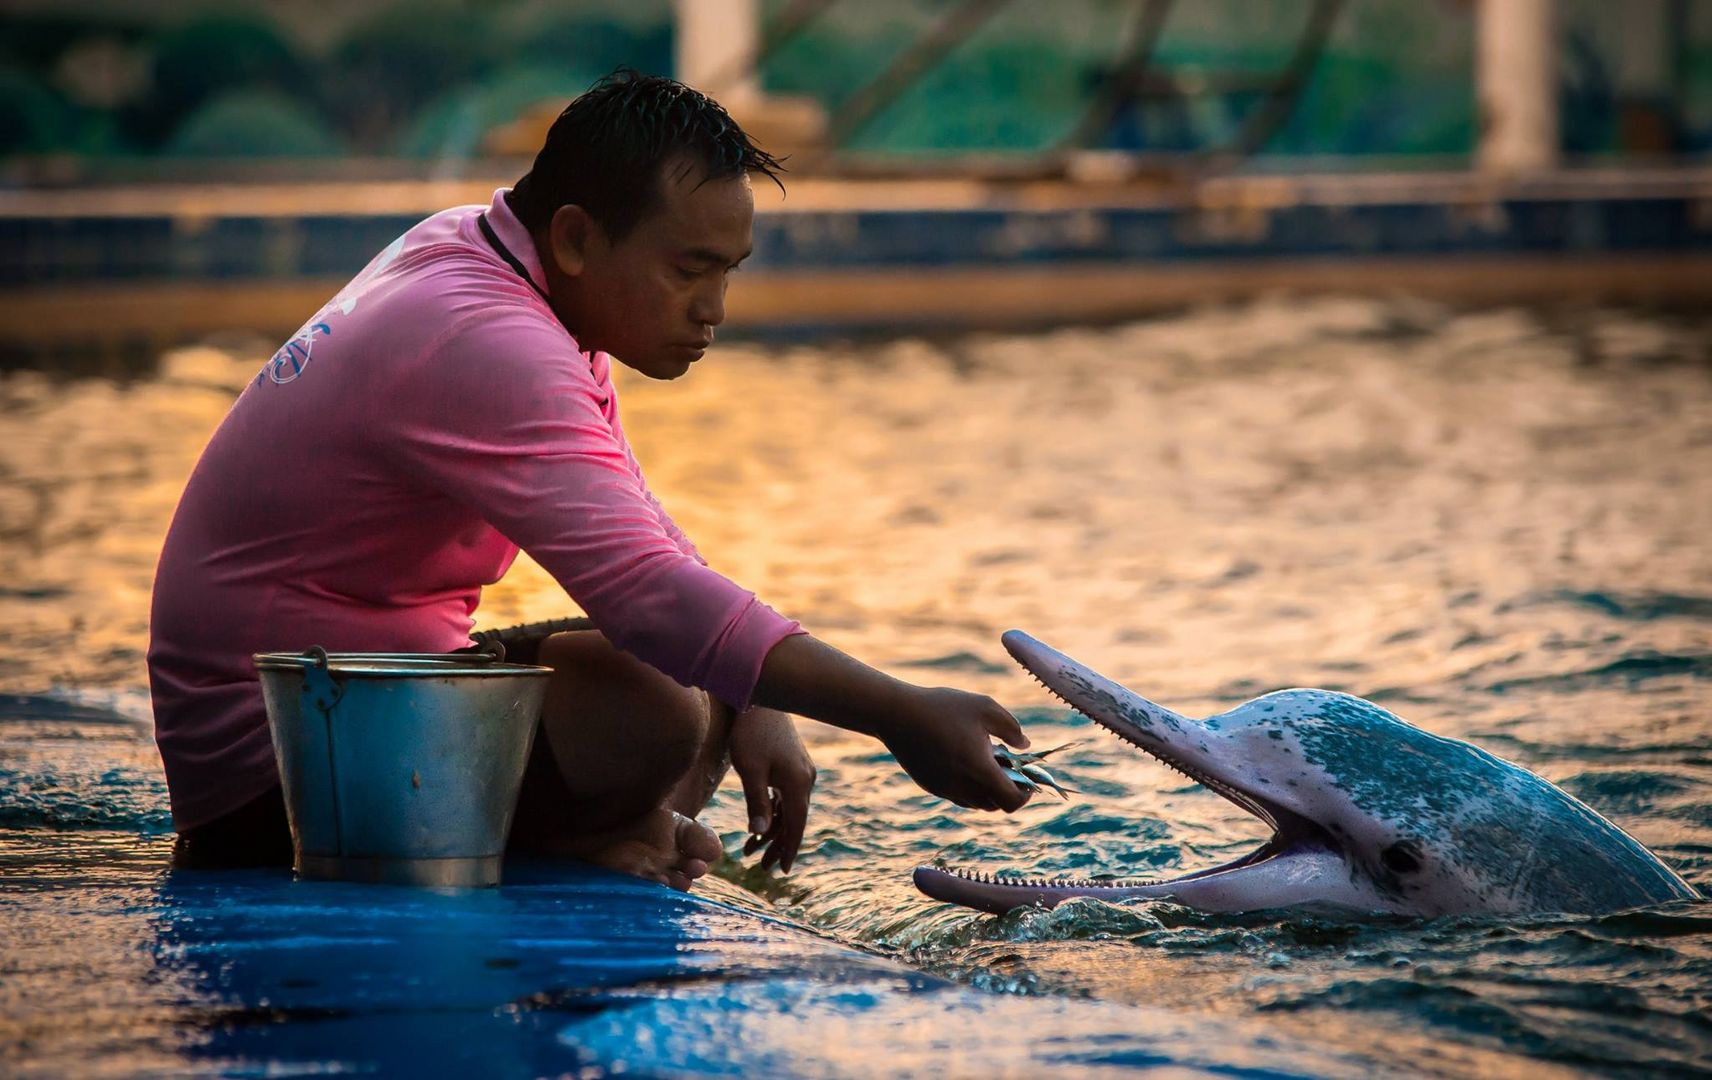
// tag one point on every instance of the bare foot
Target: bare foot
(662, 845)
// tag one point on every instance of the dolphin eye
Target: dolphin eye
(1402, 857)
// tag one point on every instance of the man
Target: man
(454, 403)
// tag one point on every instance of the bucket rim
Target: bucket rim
(380, 665)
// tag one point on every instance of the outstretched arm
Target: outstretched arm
(940, 736)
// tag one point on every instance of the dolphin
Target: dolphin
(1370, 815)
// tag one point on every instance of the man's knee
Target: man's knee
(591, 676)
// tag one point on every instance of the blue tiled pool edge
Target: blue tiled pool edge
(188, 261)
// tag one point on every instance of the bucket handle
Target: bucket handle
(325, 691)
(318, 683)
(488, 652)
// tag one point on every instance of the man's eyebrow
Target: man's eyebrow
(708, 255)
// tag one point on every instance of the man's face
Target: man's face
(652, 298)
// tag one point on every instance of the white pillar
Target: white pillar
(1516, 55)
(716, 46)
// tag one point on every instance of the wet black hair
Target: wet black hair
(607, 152)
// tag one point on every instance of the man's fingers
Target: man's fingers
(974, 802)
(793, 819)
(783, 850)
(1000, 723)
(790, 802)
(759, 798)
(1002, 790)
(758, 840)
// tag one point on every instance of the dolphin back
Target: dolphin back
(1581, 862)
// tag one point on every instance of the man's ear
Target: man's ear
(570, 235)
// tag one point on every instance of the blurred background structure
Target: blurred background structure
(1248, 132)
(95, 89)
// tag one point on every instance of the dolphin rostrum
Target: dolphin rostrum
(1369, 814)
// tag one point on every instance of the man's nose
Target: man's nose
(708, 307)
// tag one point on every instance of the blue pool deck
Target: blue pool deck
(167, 263)
(568, 972)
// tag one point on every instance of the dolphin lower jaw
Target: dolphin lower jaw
(1277, 874)
(1243, 884)
(998, 895)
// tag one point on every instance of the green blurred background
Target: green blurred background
(96, 88)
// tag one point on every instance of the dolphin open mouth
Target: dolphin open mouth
(1185, 745)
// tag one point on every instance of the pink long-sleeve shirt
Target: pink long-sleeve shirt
(388, 462)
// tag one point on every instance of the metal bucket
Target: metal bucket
(401, 768)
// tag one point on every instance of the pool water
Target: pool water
(1492, 522)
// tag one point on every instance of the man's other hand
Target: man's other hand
(777, 776)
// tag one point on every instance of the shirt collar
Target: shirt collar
(515, 236)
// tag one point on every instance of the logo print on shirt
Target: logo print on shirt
(288, 363)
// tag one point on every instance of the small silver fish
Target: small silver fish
(1026, 773)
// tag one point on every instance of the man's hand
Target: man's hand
(941, 740)
(939, 736)
(777, 776)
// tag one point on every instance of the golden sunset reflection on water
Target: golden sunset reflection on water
(1278, 494)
